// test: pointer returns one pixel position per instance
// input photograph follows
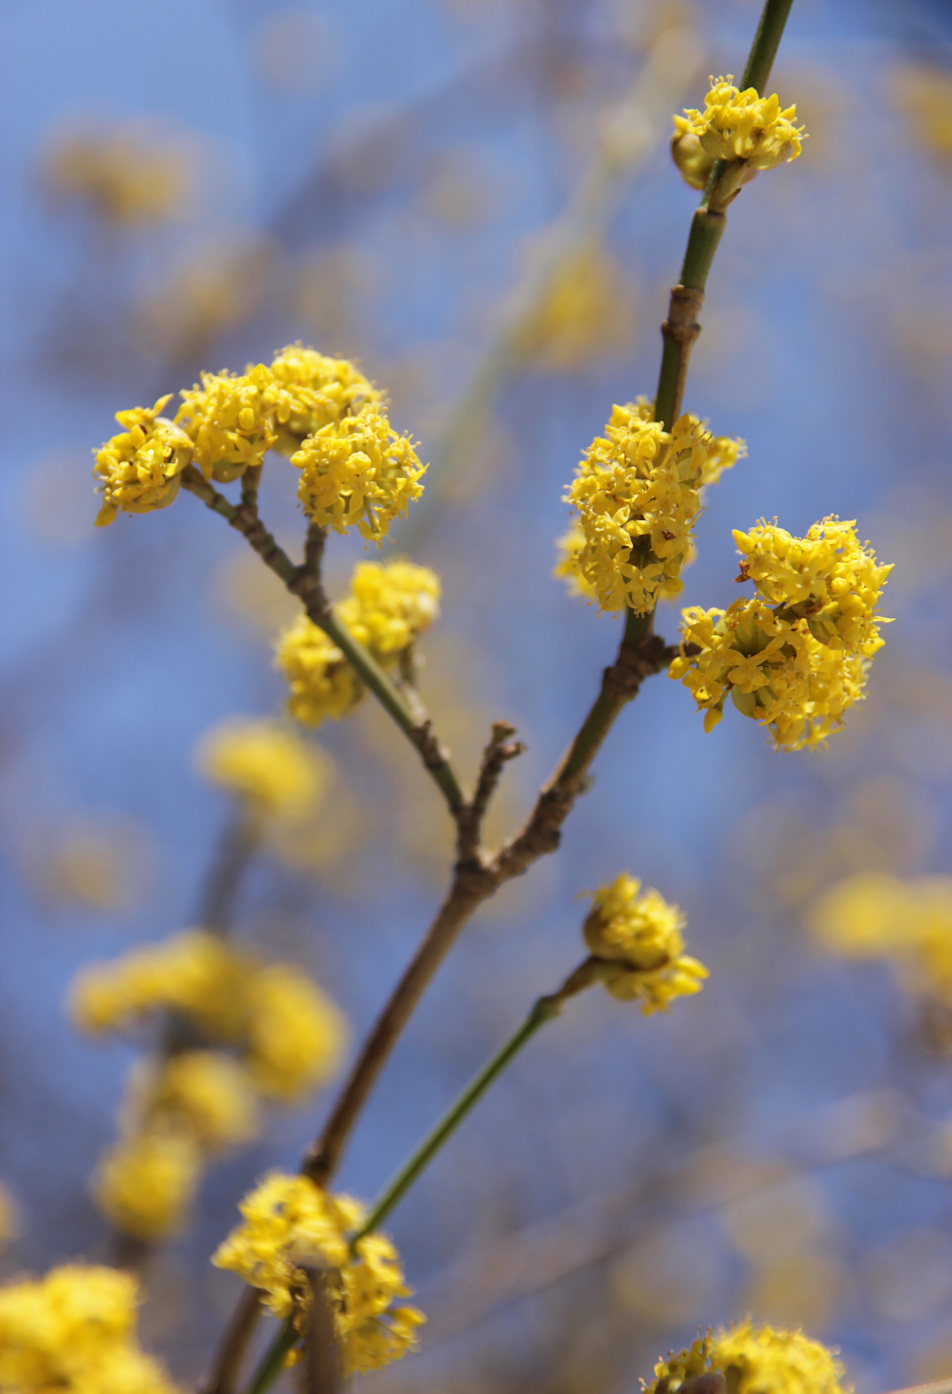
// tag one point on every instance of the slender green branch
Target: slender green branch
(681, 328)
(304, 582)
(544, 1010)
(763, 51)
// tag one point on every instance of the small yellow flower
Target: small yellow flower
(637, 493)
(290, 1222)
(796, 655)
(132, 176)
(571, 545)
(279, 774)
(829, 578)
(391, 604)
(744, 126)
(755, 1360)
(146, 1183)
(230, 420)
(637, 934)
(321, 683)
(75, 1330)
(319, 391)
(140, 467)
(296, 1035)
(357, 472)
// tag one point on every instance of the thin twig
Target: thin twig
(217, 903)
(501, 748)
(222, 1378)
(322, 1372)
(250, 481)
(545, 1009)
(641, 653)
(305, 583)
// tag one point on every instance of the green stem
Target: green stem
(272, 1362)
(707, 228)
(545, 1009)
(766, 42)
(319, 612)
(392, 700)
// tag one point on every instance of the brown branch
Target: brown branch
(500, 749)
(250, 481)
(478, 877)
(322, 1371)
(223, 1376)
(680, 330)
(217, 904)
(305, 582)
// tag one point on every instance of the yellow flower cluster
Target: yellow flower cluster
(637, 494)
(272, 769)
(140, 467)
(738, 125)
(755, 1360)
(389, 606)
(290, 1222)
(637, 934)
(358, 472)
(288, 1038)
(230, 420)
(873, 915)
(829, 578)
(318, 391)
(321, 683)
(794, 657)
(75, 1330)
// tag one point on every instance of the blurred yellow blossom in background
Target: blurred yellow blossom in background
(146, 1183)
(277, 772)
(874, 915)
(131, 174)
(75, 1330)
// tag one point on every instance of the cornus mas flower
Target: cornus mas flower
(321, 683)
(289, 1223)
(75, 1330)
(829, 578)
(230, 421)
(873, 915)
(140, 467)
(274, 770)
(744, 126)
(638, 936)
(358, 472)
(795, 656)
(146, 1183)
(773, 668)
(390, 605)
(755, 1360)
(571, 545)
(637, 494)
(316, 391)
